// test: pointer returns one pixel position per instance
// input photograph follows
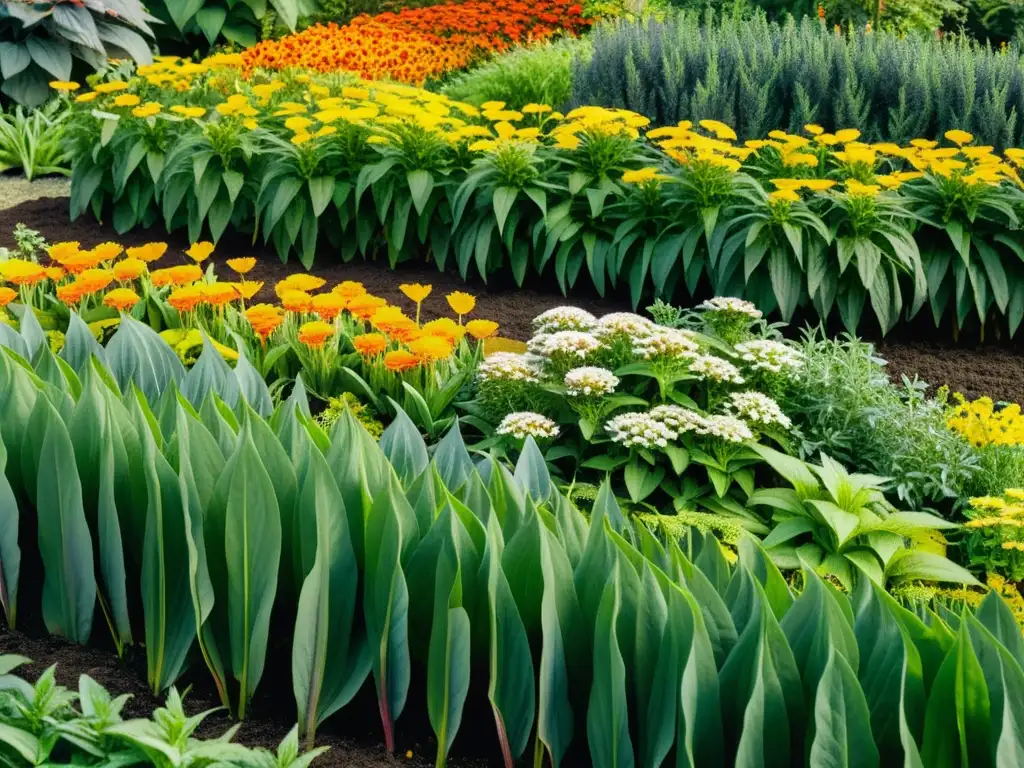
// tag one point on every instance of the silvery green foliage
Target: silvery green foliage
(758, 76)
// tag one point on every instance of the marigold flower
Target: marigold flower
(369, 344)
(200, 252)
(70, 294)
(349, 289)
(445, 328)
(218, 294)
(61, 251)
(121, 299)
(247, 288)
(296, 301)
(431, 348)
(111, 87)
(86, 97)
(126, 100)
(416, 292)
(185, 299)
(264, 319)
(64, 86)
(129, 269)
(365, 306)
(7, 295)
(21, 272)
(148, 253)
(181, 275)
(242, 266)
(481, 329)
(461, 303)
(300, 281)
(400, 360)
(315, 333)
(328, 305)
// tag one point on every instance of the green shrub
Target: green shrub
(758, 75)
(31, 141)
(201, 24)
(539, 74)
(39, 42)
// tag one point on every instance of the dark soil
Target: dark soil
(995, 368)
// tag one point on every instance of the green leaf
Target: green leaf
(504, 199)
(404, 447)
(532, 472)
(607, 711)
(137, 355)
(10, 552)
(842, 725)
(421, 184)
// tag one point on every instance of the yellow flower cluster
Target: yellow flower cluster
(982, 423)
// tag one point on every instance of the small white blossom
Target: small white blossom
(624, 323)
(662, 342)
(563, 319)
(571, 343)
(677, 418)
(523, 424)
(727, 428)
(772, 356)
(730, 304)
(509, 366)
(590, 380)
(716, 369)
(639, 430)
(757, 408)
(536, 344)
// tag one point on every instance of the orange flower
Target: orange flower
(315, 333)
(148, 252)
(80, 261)
(247, 288)
(445, 328)
(56, 274)
(242, 266)
(264, 319)
(461, 303)
(121, 299)
(404, 331)
(60, 251)
(188, 273)
(365, 306)
(21, 272)
(328, 305)
(296, 301)
(431, 348)
(70, 293)
(299, 282)
(481, 329)
(369, 344)
(94, 280)
(218, 294)
(7, 295)
(400, 360)
(106, 251)
(349, 289)
(185, 299)
(200, 252)
(129, 269)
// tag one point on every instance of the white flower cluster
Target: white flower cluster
(571, 343)
(623, 323)
(509, 366)
(727, 428)
(757, 408)
(563, 319)
(772, 356)
(640, 430)
(661, 342)
(730, 304)
(716, 369)
(523, 424)
(590, 380)
(677, 418)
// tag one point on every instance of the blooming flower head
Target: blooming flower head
(626, 324)
(121, 299)
(200, 252)
(182, 275)
(185, 299)
(400, 360)
(299, 281)
(481, 329)
(573, 344)
(771, 356)
(416, 292)
(365, 305)
(563, 319)
(758, 409)
(727, 428)
(70, 293)
(61, 251)
(461, 303)
(639, 430)
(665, 343)
(677, 418)
(314, 334)
(328, 305)
(242, 266)
(7, 295)
(21, 272)
(446, 328)
(730, 304)
(218, 294)
(264, 319)
(93, 280)
(129, 269)
(509, 366)
(430, 348)
(715, 369)
(523, 424)
(148, 252)
(370, 344)
(590, 381)
(349, 289)
(296, 301)
(64, 85)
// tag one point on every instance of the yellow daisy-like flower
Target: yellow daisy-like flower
(314, 334)
(64, 86)
(242, 266)
(129, 269)
(461, 303)
(121, 299)
(200, 252)
(178, 109)
(431, 348)
(924, 144)
(148, 109)
(784, 195)
(481, 329)
(148, 252)
(720, 129)
(126, 100)
(813, 129)
(300, 281)
(86, 97)
(959, 137)
(112, 87)
(416, 292)
(642, 176)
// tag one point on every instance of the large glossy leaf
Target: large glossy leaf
(842, 723)
(607, 712)
(403, 444)
(10, 552)
(137, 355)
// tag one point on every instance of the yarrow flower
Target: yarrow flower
(677, 418)
(771, 356)
(758, 409)
(665, 342)
(625, 323)
(509, 366)
(731, 304)
(563, 319)
(727, 428)
(639, 430)
(716, 369)
(523, 424)
(571, 343)
(590, 380)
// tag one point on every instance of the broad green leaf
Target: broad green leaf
(10, 552)
(607, 711)
(842, 723)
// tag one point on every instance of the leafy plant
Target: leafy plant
(208, 22)
(39, 42)
(32, 141)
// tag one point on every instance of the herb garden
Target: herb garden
(505, 384)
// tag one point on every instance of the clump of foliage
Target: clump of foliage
(997, 434)
(336, 406)
(993, 537)
(31, 141)
(203, 24)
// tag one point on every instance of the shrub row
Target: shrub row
(591, 634)
(758, 75)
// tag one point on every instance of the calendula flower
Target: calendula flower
(242, 266)
(218, 294)
(349, 289)
(365, 306)
(481, 329)
(370, 344)
(126, 100)
(315, 333)
(721, 130)
(121, 299)
(148, 109)
(642, 176)
(247, 288)
(21, 272)
(7, 295)
(194, 112)
(430, 348)
(185, 299)
(200, 252)
(59, 252)
(461, 303)
(86, 97)
(300, 281)
(70, 293)
(56, 274)
(446, 328)
(296, 301)
(416, 292)
(328, 305)
(264, 319)
(64, 86)
(129, 269)
(111, 87)
(106, 251)
(149, 252)
(181, 275)
(400, 360)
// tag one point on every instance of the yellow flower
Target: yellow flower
(814, 130)
(313, 334)
(721, 130)
(536, 109)
(416, 292)
(148, 252)
(111, 87)
(461, 303)
(328, 305)
(959, 137)
(352, 92)
(818, 185)
(200, 252)
(188, 111)
(847, 135)
(349, 289)
(7, 295)
(64, 85)
(488, 106)
(924, 144)
(121, 299)
(641, 176)
(299, 281)
(148, 109)
(86, 97)
(129, 269)
(126, 100)
(242, 266)
(301, 138)
(431, 348)
(369, 344)
(481, 329)
(784, 195)
(858, 189)
(297, 124)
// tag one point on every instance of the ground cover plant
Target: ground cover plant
(417, 44)
(816, 220)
